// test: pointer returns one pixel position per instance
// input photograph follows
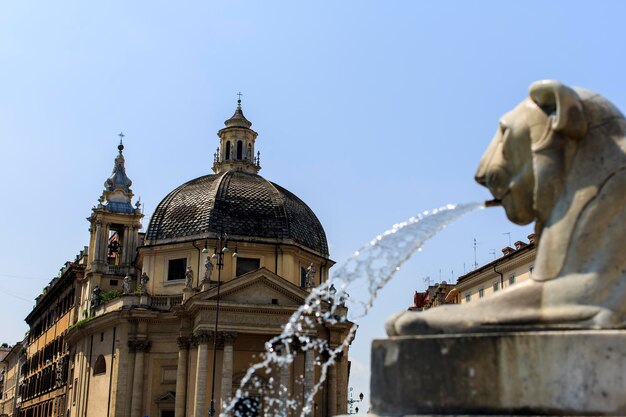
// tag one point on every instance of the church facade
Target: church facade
(167, 322)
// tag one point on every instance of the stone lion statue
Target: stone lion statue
(557, 159)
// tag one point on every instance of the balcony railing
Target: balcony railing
(165, 302)
(115, 270)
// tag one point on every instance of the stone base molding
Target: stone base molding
(575, 372)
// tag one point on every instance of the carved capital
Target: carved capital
(203, 337)
(184, 342)
(139, 345)
(229, 338)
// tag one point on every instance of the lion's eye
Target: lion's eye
(505, 134)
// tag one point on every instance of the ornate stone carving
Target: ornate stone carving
(188, 278)
(309, 282)
(126, 285)
(229, 337)
(139, 345)
(559, 158)
(184, 342)
(143, 283)
(203, 337)
(208, 269)
(96, 296)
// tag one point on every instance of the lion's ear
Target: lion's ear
(563, 104)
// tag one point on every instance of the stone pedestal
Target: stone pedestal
(551, 372)
(188, 293)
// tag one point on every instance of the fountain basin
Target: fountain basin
(548, 373)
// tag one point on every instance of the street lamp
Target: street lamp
(218, 257)
(352, 401)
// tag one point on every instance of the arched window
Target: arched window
(249, 153)
(228, 150)
(239, 149)
(100, 367)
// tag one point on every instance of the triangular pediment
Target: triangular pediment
(166, 398)
(259, 287)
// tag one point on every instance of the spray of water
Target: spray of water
(329, 304)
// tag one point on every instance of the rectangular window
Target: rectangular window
(511, 279)
(481, 292)
(496, 286)
(247, 264)
(176, 269)
(468, 297)
(302, 277)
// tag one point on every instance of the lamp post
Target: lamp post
(221, 248)
(352, 401)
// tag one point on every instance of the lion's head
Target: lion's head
(558, 158)
(550, 156)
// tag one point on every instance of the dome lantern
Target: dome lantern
(236, 150)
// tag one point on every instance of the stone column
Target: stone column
(332, 389)
(309, 372)
(227, 366)
(285, 384)
(104, 249)
(309, 377)
(181, 377)
(130, 380)
(98, 242)
(140, 347)
(125, 258)
(202, 339)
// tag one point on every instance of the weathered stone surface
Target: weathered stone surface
(559, 159)
(554, 373)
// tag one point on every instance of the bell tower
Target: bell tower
(236, 150)
(114, 232)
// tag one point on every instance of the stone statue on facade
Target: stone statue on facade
(309, 281)
(188, 278)
(96, 296)
(558, 159)
(126, 285)
(142, 286)
(208, 269)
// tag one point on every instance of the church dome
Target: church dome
(241, 204)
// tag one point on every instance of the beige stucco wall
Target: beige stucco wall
(286, 261)
(519, 267)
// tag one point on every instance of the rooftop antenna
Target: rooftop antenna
(509, 234)
(426, 281)
(475, 262)
(493, 252)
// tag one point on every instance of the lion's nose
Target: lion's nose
(481, 178)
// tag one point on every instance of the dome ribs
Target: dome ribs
(240, 204)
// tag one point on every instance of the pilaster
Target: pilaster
(140, 347)
(228, 339)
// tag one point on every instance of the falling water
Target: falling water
(329, 304)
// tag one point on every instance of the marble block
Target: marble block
(550, 372)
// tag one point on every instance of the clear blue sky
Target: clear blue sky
(369, 111)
